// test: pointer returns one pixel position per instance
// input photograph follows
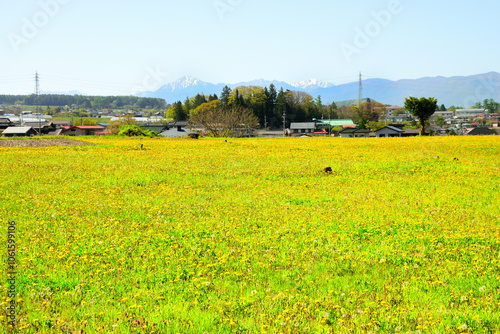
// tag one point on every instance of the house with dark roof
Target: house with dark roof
(47, 128)
(481, 131)
(60, 124)
(354, 133)
(389, 131)
(5, 123)
(410, 133)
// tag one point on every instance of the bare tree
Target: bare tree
(224, 122)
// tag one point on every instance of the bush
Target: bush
(136, 131)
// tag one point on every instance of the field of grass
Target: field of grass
(251, 236)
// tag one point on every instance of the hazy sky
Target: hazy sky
(121, 47)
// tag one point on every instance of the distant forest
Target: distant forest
(96, 102)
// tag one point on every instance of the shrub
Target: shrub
(136, 131)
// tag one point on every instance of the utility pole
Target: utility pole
(330, 121)
(37, 102)
(265, 122)
(284, 122)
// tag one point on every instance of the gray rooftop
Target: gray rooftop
(17, 130)
(304, 125)
(393, 128)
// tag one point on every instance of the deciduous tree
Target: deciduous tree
(422, 109)
(225, 122)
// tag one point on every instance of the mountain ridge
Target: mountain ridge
(456, 90)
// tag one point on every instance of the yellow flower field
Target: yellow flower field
(252, 236)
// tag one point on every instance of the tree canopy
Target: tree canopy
(81, 101)
(422, 109)
(220, 121)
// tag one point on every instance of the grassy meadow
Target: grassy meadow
(252, 236)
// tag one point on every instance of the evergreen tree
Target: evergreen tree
(176, 112)
(318, 101)
(198, 101)
(224, 96)
(281, 101)
(187, 105)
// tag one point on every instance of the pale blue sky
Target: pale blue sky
(120, 47)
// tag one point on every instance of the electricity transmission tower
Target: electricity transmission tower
(37, 102)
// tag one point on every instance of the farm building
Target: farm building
(303, 127)
(82, 130)
(19, 131)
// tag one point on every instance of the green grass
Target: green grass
(251, 236)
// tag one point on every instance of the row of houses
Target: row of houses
(43, 127)
(394, 130)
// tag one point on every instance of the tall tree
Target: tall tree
(318, 101)
(198, 101)
(333, 111)
(176, 112)
(281, 105)
(491, 105)
(272, 95)
(422, 109)
(187, 105)
(224, 96)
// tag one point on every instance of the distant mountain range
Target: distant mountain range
(71, 92)
(462, 91)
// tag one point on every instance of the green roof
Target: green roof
(335, 122)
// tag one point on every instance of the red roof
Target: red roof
(102, 133)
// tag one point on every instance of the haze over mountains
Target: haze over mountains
(462, 91)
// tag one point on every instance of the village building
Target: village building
(389, 131)
(19, 131)
(303, 127)
(82, 130)
(354, 133)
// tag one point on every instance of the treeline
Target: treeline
(266, 103)
(80, 101)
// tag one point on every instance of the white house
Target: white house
(303, 127)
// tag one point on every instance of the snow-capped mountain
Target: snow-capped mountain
(183, 83)
(310, 84)
(71, 92)
(460, 90)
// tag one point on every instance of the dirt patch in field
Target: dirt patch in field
(40, 142)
